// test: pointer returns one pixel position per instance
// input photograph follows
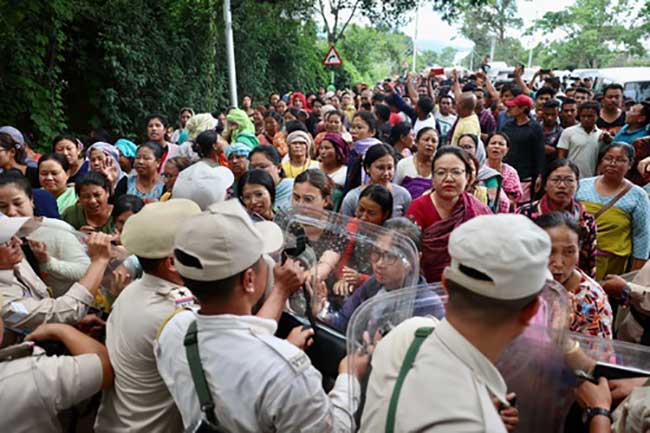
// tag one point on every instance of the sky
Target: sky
(434, 33)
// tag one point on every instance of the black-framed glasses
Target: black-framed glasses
(388, 257)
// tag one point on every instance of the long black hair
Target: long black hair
(373, 153)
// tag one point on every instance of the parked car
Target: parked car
(635, 81)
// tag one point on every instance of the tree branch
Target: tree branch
(321, 7)
(354, 9)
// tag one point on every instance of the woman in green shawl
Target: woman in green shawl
(241, 128)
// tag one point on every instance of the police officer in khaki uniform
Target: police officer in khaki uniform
(257, 382)
(27, 302)
(498, 268)
(139, 400)
(36, 387)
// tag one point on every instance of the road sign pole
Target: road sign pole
(332, 77)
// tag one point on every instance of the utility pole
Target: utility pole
(415, 37)
(230, 53)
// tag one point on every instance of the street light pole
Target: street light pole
(230, 53)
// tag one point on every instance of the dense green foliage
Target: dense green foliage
(75, 65)
(82, 64)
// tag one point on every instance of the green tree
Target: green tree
(595, 33)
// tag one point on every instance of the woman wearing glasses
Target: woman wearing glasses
(389, 271)
(621, 210)
(444, 209)
(560, 183)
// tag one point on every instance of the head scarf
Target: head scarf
(197, 124)
(111, 151)
(244, 123)
(126, 147)
(340, 146)
(301, 135)
(15, 134)
(238, 149)
(302, 98)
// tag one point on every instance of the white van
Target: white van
(635, 81)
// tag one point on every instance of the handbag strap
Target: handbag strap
(420, 335)
(191, 343)
(612, 202)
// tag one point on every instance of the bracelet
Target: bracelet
(574, 348)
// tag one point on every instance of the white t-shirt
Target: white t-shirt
(406, 167)
(446, 123)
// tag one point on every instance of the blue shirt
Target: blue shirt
(630, 136)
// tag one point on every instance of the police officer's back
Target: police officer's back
(498, 268)
(257, 382)
(140, 401)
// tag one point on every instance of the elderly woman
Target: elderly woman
(592, 313)
(105, 159)
(621, 210)
(441, 211)
(60, 255)
(333, 123)
(300, 143)
(560, 183)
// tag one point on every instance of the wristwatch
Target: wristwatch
(591, 412)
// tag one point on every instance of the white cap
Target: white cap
(510, 249)
(222, 242)
(202, 184)
(16, 226)
(150, 233)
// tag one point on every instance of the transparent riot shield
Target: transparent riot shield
(348, 261)
(528, 366)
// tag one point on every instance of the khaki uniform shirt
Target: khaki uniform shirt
(36, 388)
(386, 363)
(139, 400)
(633, 414)
(628, 329)
(259, 383)
(27, 302)
(450, 388)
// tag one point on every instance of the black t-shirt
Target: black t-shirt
(526, 152)
(612, 127)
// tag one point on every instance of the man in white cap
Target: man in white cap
(139, 400)
(442, 378)
(27, 302)
(253, 381)
(203, 184)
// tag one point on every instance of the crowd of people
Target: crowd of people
(495, 185)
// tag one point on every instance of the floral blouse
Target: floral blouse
(592, 314)
(587, 224)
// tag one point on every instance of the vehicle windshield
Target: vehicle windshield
(637, 90)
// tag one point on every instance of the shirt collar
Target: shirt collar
(231, 322)
(469, 355)
(157, 284)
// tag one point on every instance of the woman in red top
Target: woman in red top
(444, 209)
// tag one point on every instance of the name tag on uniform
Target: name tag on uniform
(299, 361)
